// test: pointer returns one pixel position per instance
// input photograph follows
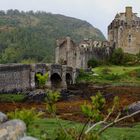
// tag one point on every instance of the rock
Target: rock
(28, 138)
(3, 117)
(133, 107)
(64, 94)
(12, 130)
(36, 96)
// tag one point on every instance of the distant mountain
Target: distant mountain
(31, 36)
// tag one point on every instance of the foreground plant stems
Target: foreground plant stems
(52, 98)
(82, 131)
(112, 123)
(118, 120)
(98, 123)
(66, 133)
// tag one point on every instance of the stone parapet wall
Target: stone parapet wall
(14, 77)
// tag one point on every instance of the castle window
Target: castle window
(129, 38)
(125, 23)
(111, 26)
(122, 23)
(137, 29)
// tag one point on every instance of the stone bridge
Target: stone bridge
(22, 77)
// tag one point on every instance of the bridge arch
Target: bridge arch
(56, 81)
(68, 79)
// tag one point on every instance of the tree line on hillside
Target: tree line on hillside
(28, 37)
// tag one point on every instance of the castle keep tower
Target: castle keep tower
(124, 31)
(65, 52)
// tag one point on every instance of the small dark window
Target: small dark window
(129, 38)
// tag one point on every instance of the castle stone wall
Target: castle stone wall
(77, 56)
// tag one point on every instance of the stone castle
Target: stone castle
(77, 56)
(123, 32)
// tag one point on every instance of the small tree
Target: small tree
(93, 63)
(51, 98)
(42, 79)
(117, 57)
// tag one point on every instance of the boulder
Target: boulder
(133, 107)
(36, 96)
(3, 117)
(12, 130)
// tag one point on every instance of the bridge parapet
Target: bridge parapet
(20, 77)
(14, 77)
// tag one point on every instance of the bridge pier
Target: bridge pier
(32, 77)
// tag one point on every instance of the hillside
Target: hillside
(30, 36)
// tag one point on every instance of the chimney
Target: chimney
(128, 13)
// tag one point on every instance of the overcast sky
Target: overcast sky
(97, 12)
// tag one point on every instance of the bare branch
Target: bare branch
(98, 123)
(118, 120)
(112, 109)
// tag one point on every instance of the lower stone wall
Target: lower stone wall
(14, 77)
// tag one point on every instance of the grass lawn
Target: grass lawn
(50, 126)
(11, 97)
(123, 133)
(116, 69)
(115, 75)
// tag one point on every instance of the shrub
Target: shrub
(135, 73)
(93, 63)
(94, 111)
(112, 76)
(11, 97)
(138, 73)
(117, 57)
(130, 59)
(27, 115)
(42, 79)
(51, 98)
(138, 55)
(84, 76)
